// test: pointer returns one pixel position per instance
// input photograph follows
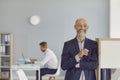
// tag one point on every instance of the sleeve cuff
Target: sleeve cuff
(77, 65)
(77, 58)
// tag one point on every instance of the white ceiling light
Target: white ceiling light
(35, 20)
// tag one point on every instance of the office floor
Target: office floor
(56, 78)
(48, 79)
(44, 78)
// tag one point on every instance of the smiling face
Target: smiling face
(81, 27)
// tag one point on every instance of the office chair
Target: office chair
(52, 76)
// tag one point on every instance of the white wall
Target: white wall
(115, 18)
(56, 26)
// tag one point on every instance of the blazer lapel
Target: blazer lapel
(76, 45)
(86, 43)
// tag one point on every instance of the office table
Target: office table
(25, 67)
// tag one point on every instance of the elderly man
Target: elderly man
(80, 55)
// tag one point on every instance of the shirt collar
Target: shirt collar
(46, 51)
(80, 41)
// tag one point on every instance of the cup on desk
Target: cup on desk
(33, 60)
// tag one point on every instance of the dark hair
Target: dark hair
(43, 43)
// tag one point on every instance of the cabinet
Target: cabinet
(6, 52)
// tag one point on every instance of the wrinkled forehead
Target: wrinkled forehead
(81, 21)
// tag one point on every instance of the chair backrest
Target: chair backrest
(58, 70)
(21, 74)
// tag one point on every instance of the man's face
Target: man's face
(43, 49)
(81, 27)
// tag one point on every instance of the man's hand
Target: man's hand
(83, 52)
(33, 60)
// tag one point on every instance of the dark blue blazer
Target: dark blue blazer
(88, 63)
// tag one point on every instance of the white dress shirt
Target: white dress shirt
(50, 60)
(81, 46)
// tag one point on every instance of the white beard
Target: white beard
(81, 34)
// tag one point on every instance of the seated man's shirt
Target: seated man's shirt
(50, 60)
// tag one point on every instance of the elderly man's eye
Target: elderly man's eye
(79, 25)
(85, 25)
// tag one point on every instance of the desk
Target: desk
(25, 67)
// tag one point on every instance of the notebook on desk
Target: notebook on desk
(23, 60)
(28, 61)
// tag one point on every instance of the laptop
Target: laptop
(26, 61)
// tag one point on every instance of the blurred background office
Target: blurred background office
(56, 23)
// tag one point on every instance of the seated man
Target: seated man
(50, 61)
